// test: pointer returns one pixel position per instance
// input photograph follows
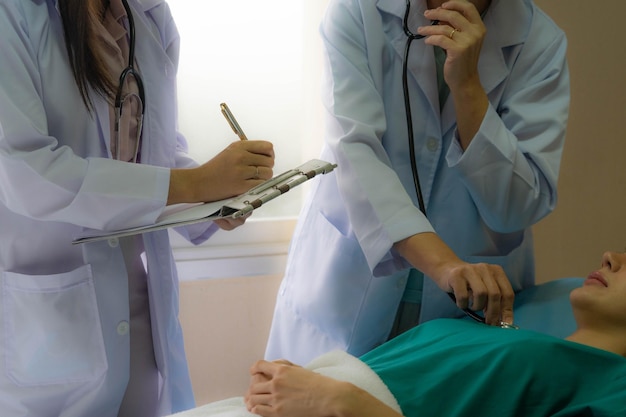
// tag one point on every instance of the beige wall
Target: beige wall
(226, 321)
(225, 324)
(591, 213)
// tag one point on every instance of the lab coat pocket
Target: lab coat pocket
(52, 332)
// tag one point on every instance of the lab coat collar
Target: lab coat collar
(507, 23)
(394, 7)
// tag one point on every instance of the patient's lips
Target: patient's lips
(596, 278)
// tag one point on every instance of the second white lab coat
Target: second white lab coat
(64, 308)
(343, 280)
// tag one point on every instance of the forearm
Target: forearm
(471, 105)
(352, 401)
(427, 253)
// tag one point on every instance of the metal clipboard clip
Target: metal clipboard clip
(274, 187)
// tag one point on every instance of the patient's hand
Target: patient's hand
(282, 389)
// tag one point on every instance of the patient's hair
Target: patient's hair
(85, 54)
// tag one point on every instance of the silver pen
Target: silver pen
(232, 121)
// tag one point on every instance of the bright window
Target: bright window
(262, 59)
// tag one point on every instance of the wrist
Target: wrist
(352, 401)
(181, 186)
(427, 253)
(471, 103)
(346, 400)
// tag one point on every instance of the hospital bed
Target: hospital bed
(544, 308)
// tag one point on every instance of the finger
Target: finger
(460, 288)
(500, 296)
(437, 34)
(508, 297)
(255, 172)
(253, 402)
(447, 18)
(492, 306)
(258, 378)
(484, 288)
(262, 387)
(228, 223)
(257, 159)
(476, 281)
(474, 286)
(260, 172)
(460, 16)
(464, 9)
(260, 147)
(263, 410)
(264, 367)
(251, 153)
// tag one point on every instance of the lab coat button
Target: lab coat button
(432, 144)
(123, 328)
(114, 242)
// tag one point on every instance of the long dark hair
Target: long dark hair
(89, 68)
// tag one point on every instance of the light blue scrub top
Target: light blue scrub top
(343, 280)
(64, 309)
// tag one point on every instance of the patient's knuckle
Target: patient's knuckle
(254, 367)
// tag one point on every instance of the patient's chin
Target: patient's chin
(583, 297)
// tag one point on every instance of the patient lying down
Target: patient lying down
(452, 367)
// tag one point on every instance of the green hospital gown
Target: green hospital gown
(458, 368)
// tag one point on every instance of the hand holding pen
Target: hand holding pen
(236, 169)
(234, 125)
(230, 223)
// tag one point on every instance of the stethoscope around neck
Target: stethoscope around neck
(130, 70)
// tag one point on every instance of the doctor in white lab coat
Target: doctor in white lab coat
(92, 330)
(488, 154)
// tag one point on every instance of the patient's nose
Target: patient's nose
(613, 260)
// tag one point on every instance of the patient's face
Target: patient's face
(603, 295)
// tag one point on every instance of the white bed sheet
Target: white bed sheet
(335, 364)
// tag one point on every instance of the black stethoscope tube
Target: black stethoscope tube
(407, 104)
(130, 69)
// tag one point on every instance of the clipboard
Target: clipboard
(184, 214)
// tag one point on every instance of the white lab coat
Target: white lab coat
(343, 280)
(63, 308)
